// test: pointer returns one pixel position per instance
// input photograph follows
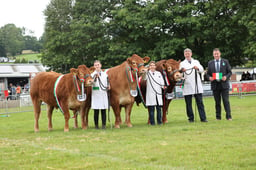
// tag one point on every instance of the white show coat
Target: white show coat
(152, 98)
(99, 95)
(190, 83)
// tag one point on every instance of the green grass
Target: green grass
(176, 145)
(29, 57)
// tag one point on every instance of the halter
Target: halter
(130, 76)
(82, 80)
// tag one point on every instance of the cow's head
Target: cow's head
(171, 66)
(137, 63)
(83, 74)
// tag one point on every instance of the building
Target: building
(17, 74)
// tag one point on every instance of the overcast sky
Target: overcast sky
(24, 13)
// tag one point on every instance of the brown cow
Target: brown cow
(170, 68)
(46, 85)
(123, 79)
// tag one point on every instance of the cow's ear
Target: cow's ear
(146, 59)
(73, 71)
(92, 69)
(129, 60)
(164, 66)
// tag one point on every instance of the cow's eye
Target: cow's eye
(133, 63)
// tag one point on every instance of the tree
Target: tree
(57, 48)
(11, 39)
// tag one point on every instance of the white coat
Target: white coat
(189, 82)
(154, 94)
(99, 95)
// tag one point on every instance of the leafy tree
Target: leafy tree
(31, 43)
(57, 54)
(82, 31)
(11, 39)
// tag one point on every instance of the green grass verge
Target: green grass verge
(175, 145)
(29, 57)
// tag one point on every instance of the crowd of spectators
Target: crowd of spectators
(246, 76)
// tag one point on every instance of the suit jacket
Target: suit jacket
(225, 69)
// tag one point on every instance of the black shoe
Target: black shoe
(103, 126)
(191, 121)
(96, 127)
(204, 121)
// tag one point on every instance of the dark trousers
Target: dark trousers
(224, 93)
(151, 110)
(200, 106)
(96, 117)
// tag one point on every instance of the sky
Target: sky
(24, 13)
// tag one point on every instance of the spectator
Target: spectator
(18, 91)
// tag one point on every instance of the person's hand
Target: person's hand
(210, 78)
(224, 78)
(196, 68)
(183, 69)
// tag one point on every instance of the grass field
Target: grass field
(29, 57)
(227, 145)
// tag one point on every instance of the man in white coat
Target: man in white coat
(99, 94)
(192, 85)
(155, 83)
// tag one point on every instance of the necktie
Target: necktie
(217, 66)
(189, 62)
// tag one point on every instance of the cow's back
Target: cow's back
(42, 87)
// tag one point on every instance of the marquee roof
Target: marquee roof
(20, 70)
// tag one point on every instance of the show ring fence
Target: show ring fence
(23, 103)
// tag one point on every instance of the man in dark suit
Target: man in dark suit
(219, 73)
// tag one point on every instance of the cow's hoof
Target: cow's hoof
(165, 121)
(49, 129)
(66, 130)
(84, 128)
(36, 130)
(117, 126)
(129, 125)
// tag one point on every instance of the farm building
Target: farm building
(17, 74)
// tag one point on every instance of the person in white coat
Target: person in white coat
(192, 85)
(99, 94)
(155, 83)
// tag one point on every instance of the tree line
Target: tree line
(80, 31)
(13, 40)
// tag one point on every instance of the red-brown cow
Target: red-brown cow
(122, 80)
(62, 91)
(170, 71)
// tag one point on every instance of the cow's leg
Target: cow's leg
(165, 109)
(37, 111)
(75, 113)
(84, 117)
(116, 109)
(49, 114)
(66, 116)
(128, 110)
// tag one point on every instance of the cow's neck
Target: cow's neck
(131, 75)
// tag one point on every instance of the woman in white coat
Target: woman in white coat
(99, 94)
(192, 85)
(155, 83)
